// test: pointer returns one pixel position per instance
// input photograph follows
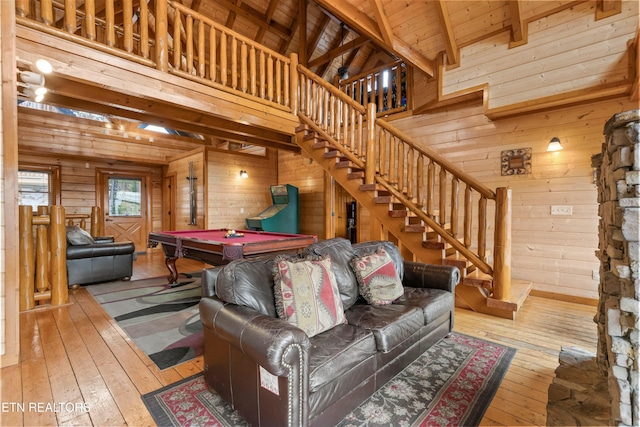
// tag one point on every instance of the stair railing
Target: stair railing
(415, 176)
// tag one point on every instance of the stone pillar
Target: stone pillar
(618, 177)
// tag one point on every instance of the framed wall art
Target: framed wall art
(516, 162)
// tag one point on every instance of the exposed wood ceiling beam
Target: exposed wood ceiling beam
(366, 26)
(302, 33)
(231, 18)
(383, 22)
(85, 97)
(451, 47)
(273, 4)
(608, 8)
(340, 50)
(312, 44)
(519, 30)
(256, 17)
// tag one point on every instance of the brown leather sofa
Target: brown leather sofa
(273, 374)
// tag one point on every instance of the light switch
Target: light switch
(561, 210)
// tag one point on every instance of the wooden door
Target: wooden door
(125, 198)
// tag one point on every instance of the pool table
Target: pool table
(214, 247)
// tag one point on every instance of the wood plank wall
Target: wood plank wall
(594, 58)
(231, 198)
(555, 252)
(298, 171)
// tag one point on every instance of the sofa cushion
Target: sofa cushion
(378, 280)
(390, 324)
(76, 236)
(306, 293)
(433, 302)
(333, 353)
(392, 250)
(248, 282)
(341, 253)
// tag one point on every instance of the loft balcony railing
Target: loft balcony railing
(186, 44)
(384, 86)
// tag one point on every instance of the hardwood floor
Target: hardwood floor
(77, 354)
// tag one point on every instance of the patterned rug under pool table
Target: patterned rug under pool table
(451, 384)
(162, 319)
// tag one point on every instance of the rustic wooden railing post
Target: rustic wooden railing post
(370, 165)
(58, 239)
(293, 76)
(23, 8)
(162, 39)
(502, 246)
(96, 221)
(70, 16)
(27, 258)
(90, 19)
(42, 252)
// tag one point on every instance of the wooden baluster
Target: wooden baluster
(177, 44)
(127, 18)
(46, 12)
(269, 77)
(253, 71)
(243, 67)
(389, 91)
(401, 166)
(455, 190)
(468, 215)
(361, 130)
(234, 63)
(392, 161)
(42, 255)
(22, 8)
(502, 246)
(263, 76)
(319, 103)
(294, 84)
(482, 228)
(69, 16)
(223, 58)
(357, 92)
(144, 29)
(333, 117)
(189, 43)
(398, 86)
(27, 258)
(410, 177)
(325, 122)
(278, 65)
(58, 239)
(286, 91)
(90, 19)
(202, 61)
(420, 181)
(443, 196)
(352, 125)
(345, 125)
(370, 166)
(213, 59)
(380, 102)
(162, 36)
(309, 98)
(431, 181)
(382, 154)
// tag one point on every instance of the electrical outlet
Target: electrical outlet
(561, 210)
(595, 274)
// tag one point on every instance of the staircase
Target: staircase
(413, 195)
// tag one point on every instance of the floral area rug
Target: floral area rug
(452, 383)
(162, 319)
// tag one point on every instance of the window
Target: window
(124, 197)
(34, 188)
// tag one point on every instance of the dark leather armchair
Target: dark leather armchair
(97, 259)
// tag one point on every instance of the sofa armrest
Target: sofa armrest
(99, 250)
(272, 343)
(420, 275)
(209, 277)
(104, 239)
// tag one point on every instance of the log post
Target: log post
(58, 239)
(42, 254)
(370, 165)
(70, 16)
(96, 221)
(27, 258)
(162, 39)
(502, 246)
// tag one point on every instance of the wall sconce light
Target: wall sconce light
(244, 174)
(43, 66)
(32, 82)
(554, 144)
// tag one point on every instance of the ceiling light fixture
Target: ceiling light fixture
(554, 144)
(244, 174)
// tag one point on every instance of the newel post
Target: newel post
(294, 82)
(502, 246)
(370, 165)
(162, 39)
(27, 258)
(58, 245)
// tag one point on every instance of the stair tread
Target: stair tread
(520, 290)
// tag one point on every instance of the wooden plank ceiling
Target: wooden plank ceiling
(362, 34)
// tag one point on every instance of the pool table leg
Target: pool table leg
(170, 262)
